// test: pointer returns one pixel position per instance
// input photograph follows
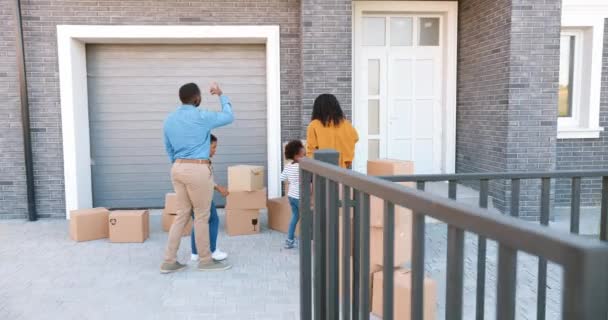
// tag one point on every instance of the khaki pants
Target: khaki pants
(193, 184)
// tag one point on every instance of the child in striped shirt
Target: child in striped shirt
(294, 151)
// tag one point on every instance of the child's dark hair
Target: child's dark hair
(293, 148)
(213, 138)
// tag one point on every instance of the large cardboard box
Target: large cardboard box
(279, 215)
(245, 178)
(242, 222)
(171, 202)
(167, 220)
(246, 199)
(403, 216)
(372, 271)
(402, 295)
(403, 245)
(129, 226)
(89, 224)
(387, 167)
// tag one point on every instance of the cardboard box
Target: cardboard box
(247, 199)
(171, 202)
(403, 216)
(129, 226)
(372, 271)
(279, 215)
(245, 178)
(403, 245)
(89, 224)
(402, 295)
(242, 222)
(386, 167)
(167, 220)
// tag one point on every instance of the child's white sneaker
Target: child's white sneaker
(194, 257)
(219, 255)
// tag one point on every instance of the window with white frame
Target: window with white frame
(580, 66)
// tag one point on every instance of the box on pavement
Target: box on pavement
(171, 202)
(279, 215)
(242, 222)
(372, 271)
(403, 245)
(167, 220)
(245, 178)
(386, 167)
(246, 199)
(402, 295)
(129, 226)
(89, 224)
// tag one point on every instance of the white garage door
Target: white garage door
(132, 88)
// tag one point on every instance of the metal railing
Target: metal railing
(484, 179)
(584, 261)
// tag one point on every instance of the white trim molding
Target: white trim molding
(586, 18)
(71, 41)
(449, 12)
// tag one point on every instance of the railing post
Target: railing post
(545, 199)
(305, 246)
(481, 255)
(586, 287)
(455, 266)
(418, 229)
(322, 280)
(346, 253)
(604, 210)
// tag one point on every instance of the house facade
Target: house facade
(455, 86)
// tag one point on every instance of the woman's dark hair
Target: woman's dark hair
(293, 148)
(327, 110)
(213, 138)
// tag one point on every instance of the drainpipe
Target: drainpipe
(25, 115)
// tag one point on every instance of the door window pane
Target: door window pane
(566, 74)
(373, 77)
(373, 112)
(429, 32)
(374, 149)
(374, 30)
(401, 31)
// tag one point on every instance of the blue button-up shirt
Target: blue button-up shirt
(187, 130)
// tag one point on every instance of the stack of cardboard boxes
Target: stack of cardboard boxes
(247, 197)
(170, 212)
(403, 247)
(119, 226)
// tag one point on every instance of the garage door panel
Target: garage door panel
(132, 88)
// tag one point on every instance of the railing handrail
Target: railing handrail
(562, 248)
(497, 175)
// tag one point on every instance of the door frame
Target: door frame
(449, 9)
(71, 44)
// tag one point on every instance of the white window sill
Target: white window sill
(579, 133)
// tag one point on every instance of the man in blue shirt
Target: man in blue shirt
(187, 141)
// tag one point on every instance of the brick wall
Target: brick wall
(482, 98)
(508, 68)
(40, 21)
(533, 92)
(590, 154)
(326, 53)
(13, 199)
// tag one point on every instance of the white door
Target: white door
(399, 90)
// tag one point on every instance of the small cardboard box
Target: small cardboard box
(402, 295)
(372, 271)
(89, 224)
(129, 226)
(403, 216)
(246, 199)
(403, 245)
(279, 215)
(167, 220)
(245, 178)
(386, 167)
(171, 202)
(242, 222)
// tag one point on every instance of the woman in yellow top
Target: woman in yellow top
(329, 129)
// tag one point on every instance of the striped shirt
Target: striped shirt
(291, 174)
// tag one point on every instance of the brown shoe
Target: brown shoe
(171, 267)
(213, 266)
